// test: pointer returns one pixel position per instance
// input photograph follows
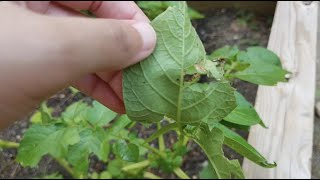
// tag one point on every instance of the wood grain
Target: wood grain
(288, 108)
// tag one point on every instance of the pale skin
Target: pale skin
(47, 46)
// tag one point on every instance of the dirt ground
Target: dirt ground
(220, 27)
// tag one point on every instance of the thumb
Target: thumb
(104, 44)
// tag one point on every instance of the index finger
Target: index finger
(109, 9)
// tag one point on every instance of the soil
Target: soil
(220, 27)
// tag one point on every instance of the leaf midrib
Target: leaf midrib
(182, 69)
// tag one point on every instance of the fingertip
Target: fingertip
(148, 37)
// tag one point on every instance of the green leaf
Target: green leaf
(243, 57)
(156, 87)
(75, 112)
(168, 164)
(45, 113)
(240, 145)
(114, 168)
(244, 114)
(262, 73)
(120, 124)
(241, 66)
(105, 175)
(195, 14)
(214, 70)
(127, 152)
(265, 67)
(208, 173)
(91, 142)
(263, 55)
(211, 143)
(153, 8)
(36, 118)
(237, 172)
(52, 176)
(226, 52)
(94, 175)
(73, 90)
(99, 115)
(232, 125)
(41, 140)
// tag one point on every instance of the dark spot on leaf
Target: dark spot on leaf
(203, 79)
(191, 77)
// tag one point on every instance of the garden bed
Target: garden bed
(220, 27)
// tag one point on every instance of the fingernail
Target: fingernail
(148, 36)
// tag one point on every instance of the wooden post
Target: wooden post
(288, 108)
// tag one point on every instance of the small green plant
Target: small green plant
(246, 18)
(179, 88)
(153, 8)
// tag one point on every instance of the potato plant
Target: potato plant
(178, 88)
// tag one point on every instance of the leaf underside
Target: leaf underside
(156, 87)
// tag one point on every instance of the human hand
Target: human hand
(53, 46)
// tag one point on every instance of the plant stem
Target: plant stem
(8, 144)
(181, 139)
(149, 175)
(162, 131)
(186, 140)
(162, 146)
(161, 154)
(66, 166)
(181, 174)
(233, 65)
(138, 165)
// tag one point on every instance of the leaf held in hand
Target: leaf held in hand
(156, 87)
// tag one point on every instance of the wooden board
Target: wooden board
(262, 7)
(288, 108)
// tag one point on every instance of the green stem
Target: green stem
(181, 139)
(233, 65)
(162, 146)
(156, 151)
(186, 140)
(181, 174)
(8, 144)
(138, 165)
(162, 131)
(149, 175)
(66, 166)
